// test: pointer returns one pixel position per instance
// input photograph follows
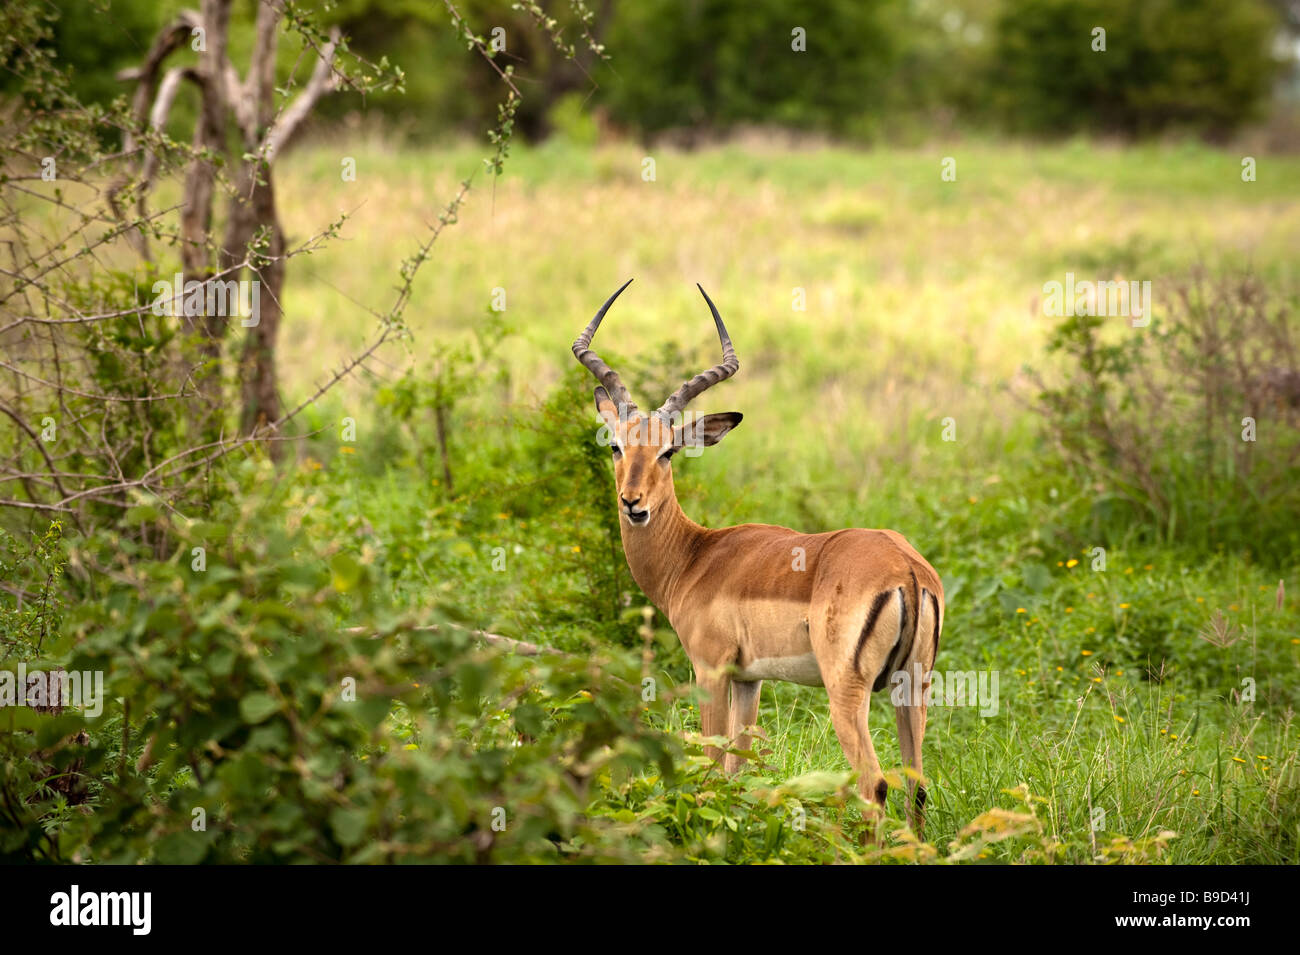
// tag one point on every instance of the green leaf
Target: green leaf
(349, 825)
(256, 707)
(1037, 577)
(221, 661)
(181, 848)
(530, 719)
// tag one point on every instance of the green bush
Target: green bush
(1186, 430)
(1201, 65)
(907, 68)
(250, 706)
(719, 63)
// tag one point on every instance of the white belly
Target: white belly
(801, 669)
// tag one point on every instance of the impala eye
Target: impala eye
(618, 452)
(667, 453)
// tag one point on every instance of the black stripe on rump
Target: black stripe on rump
(877, 605)
(904, 653)
(903, 650)
(936, 625)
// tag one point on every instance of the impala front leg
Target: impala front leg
(744, 714)
(714, 682)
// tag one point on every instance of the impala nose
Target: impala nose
(630, 511)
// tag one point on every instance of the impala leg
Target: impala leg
(916, 717)
(713, 706)
(849, 703)
(744, 714)
(911, 716)
(911, 732)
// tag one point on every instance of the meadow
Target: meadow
(893, 345)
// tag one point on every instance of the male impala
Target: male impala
(843, 609)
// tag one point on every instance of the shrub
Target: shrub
(257, 727)
(1188, 429)
(726, 62)
(1205, 65)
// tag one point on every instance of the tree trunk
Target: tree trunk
(200, 179)
(257, 371)
(264, 131)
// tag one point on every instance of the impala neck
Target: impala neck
(658, 552)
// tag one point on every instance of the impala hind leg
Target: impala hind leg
(849, 659)
(850, 700)
(910, 714)
(911, 733)
(744, 714)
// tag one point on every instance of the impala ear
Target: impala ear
(707, 431)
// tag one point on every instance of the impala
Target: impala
(843, 609)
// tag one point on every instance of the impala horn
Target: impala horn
(604, 374)
(705, 380)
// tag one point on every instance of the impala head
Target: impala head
(643, 445)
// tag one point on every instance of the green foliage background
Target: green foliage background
(871, 70)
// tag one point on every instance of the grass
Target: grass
(894, 261)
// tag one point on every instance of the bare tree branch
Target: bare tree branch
(322, 80)
(261, 70)
(169, 39)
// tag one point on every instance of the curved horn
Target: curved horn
(604, 374)
(705, 380)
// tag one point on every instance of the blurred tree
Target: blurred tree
(945, 50)
(445, 91)
(1202, 65)
(718, 63)
(94, 39)
(909, 68)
